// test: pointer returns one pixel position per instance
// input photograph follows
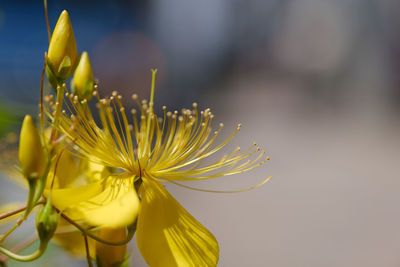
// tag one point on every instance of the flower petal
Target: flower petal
(104, 203)
(67, 170)
(167, 235)
(64, 198)
(119, 212)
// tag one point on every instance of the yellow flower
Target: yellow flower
(152, 151)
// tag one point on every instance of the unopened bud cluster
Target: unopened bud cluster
(62, 60)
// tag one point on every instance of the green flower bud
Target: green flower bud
(46, 222)
(31, 152)
(83, 82)
(62, 53)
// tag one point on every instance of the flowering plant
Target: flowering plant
(106, 178)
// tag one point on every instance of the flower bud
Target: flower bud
(83, 82)
(62, 53)
(31, 152)
(46, 222)
(107, 255)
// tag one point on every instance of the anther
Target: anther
(194, 105)
(134, 96)
(122, 109)
(133, 111)
(221, 125)
(268, 158)
(114, 93)
(94, 93)
(164, 108)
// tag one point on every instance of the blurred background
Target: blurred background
(315, 82)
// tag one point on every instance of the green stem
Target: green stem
(30, 203)
(39, 189)
(20, 247)
(25, 258)
(36, 188)
(15, 226)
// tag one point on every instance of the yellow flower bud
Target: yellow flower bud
(31, 152)
(111, 255)
(62, 54)
(83, 82)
